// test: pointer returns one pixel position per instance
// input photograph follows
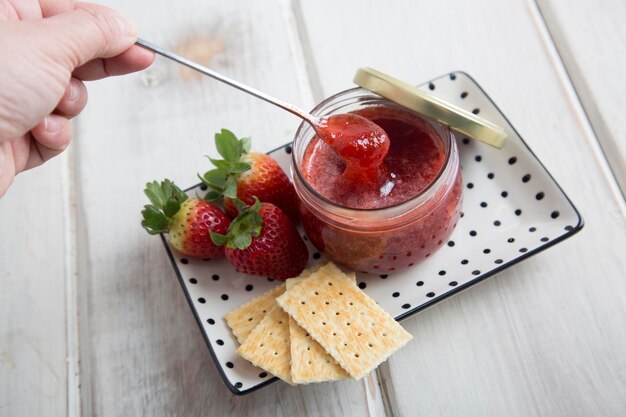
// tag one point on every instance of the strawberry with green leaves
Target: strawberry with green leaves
(188, 221)
(243, 174)
(261, 240)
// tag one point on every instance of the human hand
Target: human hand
(47, 49)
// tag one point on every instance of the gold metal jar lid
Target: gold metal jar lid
(430, 106)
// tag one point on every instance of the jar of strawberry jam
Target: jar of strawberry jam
(400, 218)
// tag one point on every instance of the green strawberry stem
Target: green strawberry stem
(166, 199)
(247, 224)
(222, 180)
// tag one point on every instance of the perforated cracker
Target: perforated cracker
(348, 324)
(245, 317)
(268, 346)
(309, 360)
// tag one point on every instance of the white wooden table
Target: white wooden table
(94, 322)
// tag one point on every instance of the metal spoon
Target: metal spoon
(315, 122)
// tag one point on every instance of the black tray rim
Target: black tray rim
(568, 233)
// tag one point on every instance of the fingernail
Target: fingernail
(127, 26)
(74, 92)
(50, 125)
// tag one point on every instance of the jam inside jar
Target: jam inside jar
(394, 221)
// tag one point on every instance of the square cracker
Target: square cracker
(245, 317)
(268, 346)
(348, 324)
(309, 361)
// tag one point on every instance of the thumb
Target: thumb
(89, 31)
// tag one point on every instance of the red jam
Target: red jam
(361, 144)
(404, 212)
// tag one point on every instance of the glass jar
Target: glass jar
(386, 239)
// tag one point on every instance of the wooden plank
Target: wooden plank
(590, 38)
(546, 337)
(33, 349)
(141, 350)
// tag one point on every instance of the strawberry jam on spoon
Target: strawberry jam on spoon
(359, 142)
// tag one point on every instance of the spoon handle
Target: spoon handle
(206, 71)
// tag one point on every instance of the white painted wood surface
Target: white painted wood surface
(84, 289)
(548, 336)
(590, 37)
(33, 349)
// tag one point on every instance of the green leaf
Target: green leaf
(154, 221)
(240, 205)
(242, 241)
(218, 239)
(212, 196)
(246, 144)
(172, 206)
(220, 164)
(240, 167)
(215, 178)
(180, 195)
(230, 188)
(155, 194)
(158, 194)
(167, 187)
(228, 146)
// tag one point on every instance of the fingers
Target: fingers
(51, 136)
(87, 32)
(134, 59)
(74, 99)
(52, 7)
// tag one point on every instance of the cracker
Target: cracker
(348, 324)
(268, 346)
(309, 361)
(245, 317)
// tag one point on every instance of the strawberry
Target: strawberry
(263, 241)
(188, 221)
(244, 175)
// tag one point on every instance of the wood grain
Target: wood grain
(33, 349)
(94, 322)
(590, 38)
(546, 337)
(144, 352)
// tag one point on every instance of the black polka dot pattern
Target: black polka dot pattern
(507, 195)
